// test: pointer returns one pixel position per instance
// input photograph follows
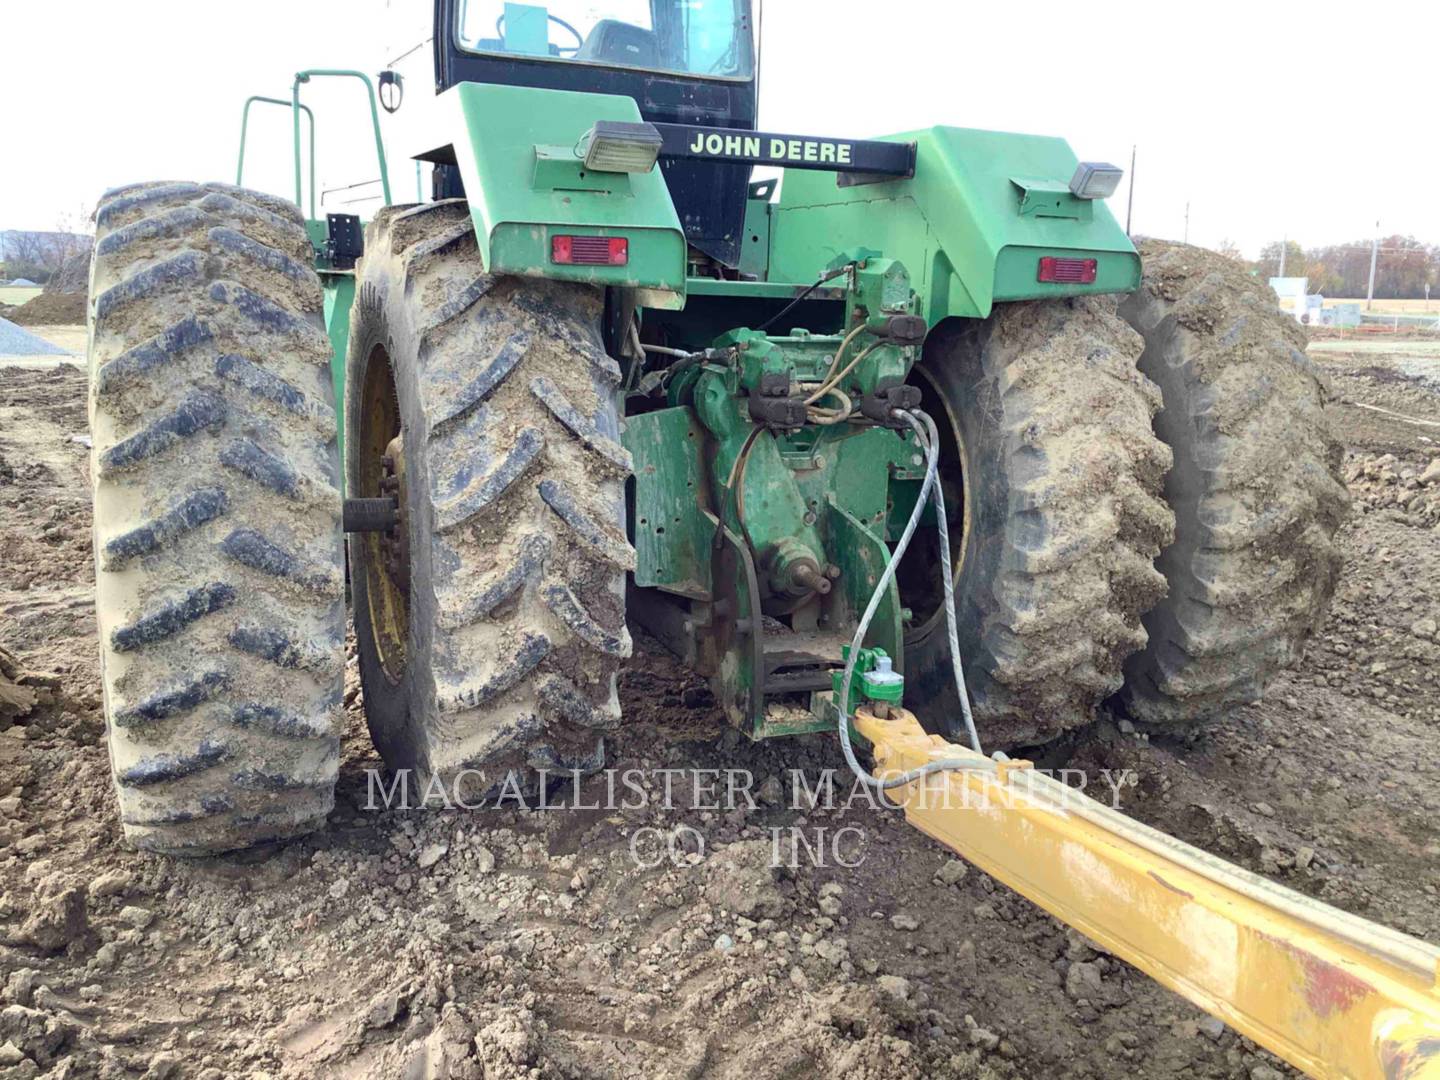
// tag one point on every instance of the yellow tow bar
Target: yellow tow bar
(1333, 994)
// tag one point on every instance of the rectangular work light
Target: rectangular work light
(1095, 180)
(619, 146)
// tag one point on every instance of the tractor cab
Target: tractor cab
(682, 62)
(673, 36)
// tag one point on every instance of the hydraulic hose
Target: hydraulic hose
(951, 623)
(928, 436)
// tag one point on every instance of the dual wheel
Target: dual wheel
(1146, 502)
(490, 621)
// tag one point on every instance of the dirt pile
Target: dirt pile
(51, 309)
(73, 275)
(63, 300)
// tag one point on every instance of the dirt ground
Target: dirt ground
(517, 943)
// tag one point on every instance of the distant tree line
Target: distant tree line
(1403, 269)
(37, 255)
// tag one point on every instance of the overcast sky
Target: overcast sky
(1266, 118)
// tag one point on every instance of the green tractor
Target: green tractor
(604, 375)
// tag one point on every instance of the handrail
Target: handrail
(348, 187)
(244, 124)
(304, 77)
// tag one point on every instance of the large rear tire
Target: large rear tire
(1256, 486)
(491, 621)
(219, 587)
(1054, 477)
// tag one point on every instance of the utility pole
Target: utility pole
(1284, 246)
(1374, 256)
(1130, 195)
(1187, 221)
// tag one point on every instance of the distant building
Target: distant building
(1292, 292)
(21, 283)
(1342, 315)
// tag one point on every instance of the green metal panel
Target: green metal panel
(755, 243)
(510, 143)
(1015, 274)
(672, 537)
(339, 294)
(971, 225)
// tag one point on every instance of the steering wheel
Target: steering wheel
(579, 37)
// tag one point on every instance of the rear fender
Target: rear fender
(971, 225)
(515, 147)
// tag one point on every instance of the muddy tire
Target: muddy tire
(491, 623)
(1255, 487)
(1054, 482)
(219, 585)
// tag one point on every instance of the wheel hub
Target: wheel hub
(386, 559)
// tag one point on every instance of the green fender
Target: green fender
(971, 225)
(516, 150)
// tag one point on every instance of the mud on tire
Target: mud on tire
(1255, 487)
(219, 585)
(1060, 475)
(511, 623)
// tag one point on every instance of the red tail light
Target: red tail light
(590, 250)
(1063, 271)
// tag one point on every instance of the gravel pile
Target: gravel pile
(17, 342)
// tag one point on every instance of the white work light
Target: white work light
(1095, 180)
(617, 146)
